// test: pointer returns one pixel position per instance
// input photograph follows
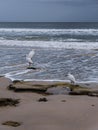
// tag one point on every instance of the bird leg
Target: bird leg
(30, 64)
(72, 82)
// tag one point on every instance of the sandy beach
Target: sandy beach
(59, 112)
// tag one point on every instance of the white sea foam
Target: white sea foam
(51, 44)
(8, 75)
(18, 72)
(49, 31)
(74, 40)
(60, 81)
(15, 73)
(47, 80)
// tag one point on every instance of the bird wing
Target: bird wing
(71, 77)
(29, 60)
(31, 53)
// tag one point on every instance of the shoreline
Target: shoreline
(59, 112)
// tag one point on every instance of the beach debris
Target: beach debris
(63, 100)
(43, 99)
(12, 123)
(25, 88)
(16, 81)
(58, 90)
(54, 88)
(92, 105)
(93, 94)
(84, 91)
(79, 92)
(30, 67)
(8, 102)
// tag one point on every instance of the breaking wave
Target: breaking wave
(50, 31)
(51, 44)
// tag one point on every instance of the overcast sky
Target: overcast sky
(48, 10)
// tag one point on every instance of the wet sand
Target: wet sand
(60, 112)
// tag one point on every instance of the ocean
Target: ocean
(60, 48)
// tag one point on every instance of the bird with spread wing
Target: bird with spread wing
(29, 57)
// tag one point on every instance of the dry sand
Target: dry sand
(60, 112)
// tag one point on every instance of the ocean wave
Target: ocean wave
(63, 35)
(50, 44)
(49, 31)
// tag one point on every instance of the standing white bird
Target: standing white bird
(71, 78)
(29, 57)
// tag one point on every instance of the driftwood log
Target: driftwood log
(43, 86)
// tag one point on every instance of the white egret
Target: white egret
(29, 57)
(71, 78)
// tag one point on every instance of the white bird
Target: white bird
(29, 57)
(71, 78)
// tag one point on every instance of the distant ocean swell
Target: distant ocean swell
(51, 38)
(63, 35)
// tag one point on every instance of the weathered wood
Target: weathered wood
(42, 86)
(86, 91)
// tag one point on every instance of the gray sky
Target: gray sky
(49, 10)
